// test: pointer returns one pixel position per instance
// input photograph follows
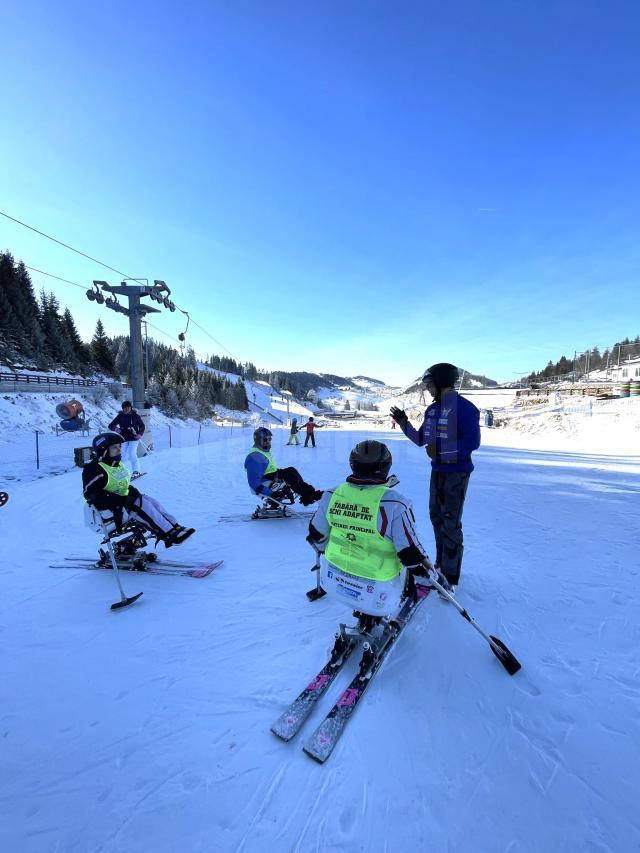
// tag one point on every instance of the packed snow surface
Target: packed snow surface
(147, 729)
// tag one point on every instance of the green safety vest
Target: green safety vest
(271, 467)
(355, 545)
(118, 478)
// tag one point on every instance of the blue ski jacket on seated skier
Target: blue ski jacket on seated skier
(453, 425)
(256, 465)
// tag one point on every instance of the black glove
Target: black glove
(431, 451)
(419, 571)
(399, 416)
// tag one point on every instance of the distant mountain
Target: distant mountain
(330, 391)
(368, 379)
(470, 380)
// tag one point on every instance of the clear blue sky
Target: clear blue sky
(347, 187)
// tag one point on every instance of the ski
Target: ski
(323, 740)
(151, 559)
(154, 568)
(290, 721)
(291, 516)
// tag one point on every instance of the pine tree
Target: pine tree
(80, 349)
(10, 326)
(121, 358)
(28, 311)
(59, 347)
(100, 350)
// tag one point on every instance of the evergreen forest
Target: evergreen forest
(36, 333)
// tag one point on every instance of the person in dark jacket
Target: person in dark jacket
(106, 484)
(451, 432)
(130, 426)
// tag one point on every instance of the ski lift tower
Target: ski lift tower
(159, 292)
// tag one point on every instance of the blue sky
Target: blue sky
(359, 187)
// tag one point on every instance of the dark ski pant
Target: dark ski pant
(311, 436)
(447, 492)
(293, 479)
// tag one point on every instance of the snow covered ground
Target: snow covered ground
(25, 455)
(148, 729)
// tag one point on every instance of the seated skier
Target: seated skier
(368, 536)
(269, 481)
(107, 485)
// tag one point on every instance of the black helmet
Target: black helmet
(260, 437)
(102, 442)
(126, 404)
(443, 375)
(371, 459)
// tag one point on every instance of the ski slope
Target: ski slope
(148, 729)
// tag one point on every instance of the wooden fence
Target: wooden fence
(41, 382)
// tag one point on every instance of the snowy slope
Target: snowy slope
(366, 391)
(263, 398)
(24, 413)
(148, 729)
(270, 405)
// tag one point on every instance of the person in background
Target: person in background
(310, 426)
(451, 432)
(293, 435)
(130, 426)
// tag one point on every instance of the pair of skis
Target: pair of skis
(292, 514)
(153, 568)
(324, 739)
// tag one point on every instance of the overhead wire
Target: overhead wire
(106, 266)
(66, 245)
(51, 275)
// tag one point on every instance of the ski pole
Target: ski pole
(506, 658)
(124, 599)
(318, 591)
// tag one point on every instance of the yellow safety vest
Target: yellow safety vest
(118, 478)
(271, 467)
(355, 545)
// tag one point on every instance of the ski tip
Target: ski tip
(205, 571)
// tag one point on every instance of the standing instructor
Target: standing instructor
(451, 432)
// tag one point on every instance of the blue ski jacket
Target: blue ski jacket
(453, 425)
(255, 465)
